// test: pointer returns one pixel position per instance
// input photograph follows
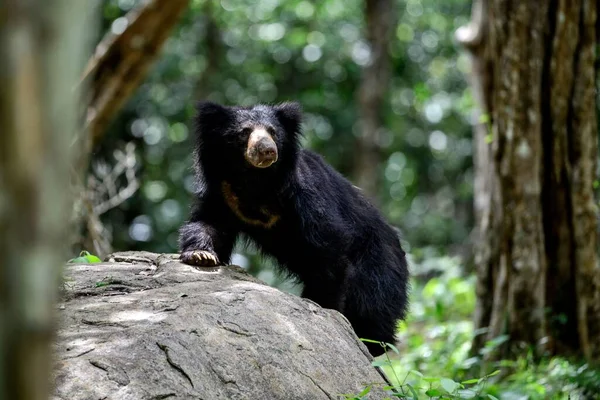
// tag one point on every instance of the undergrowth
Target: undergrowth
(433, 360)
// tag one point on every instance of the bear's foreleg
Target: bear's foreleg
(204, 244)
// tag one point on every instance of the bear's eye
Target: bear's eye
(271, 130)
(246, 131)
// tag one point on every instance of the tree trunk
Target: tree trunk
(43, 45)
(122, 60)
(380, 18)
(215, 50)
(534, 80)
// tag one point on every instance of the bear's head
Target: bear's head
(260, 137)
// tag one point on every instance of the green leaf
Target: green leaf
(380, 363)
(433, 393)
(85, 258)
(431, 379)
(489, 138)
(507, 363)
(412, 371)
(466, 394)
(470, 381)
(92, 259)
(496, 372)
(493, 344)
(413, 391)
(492, 397)
(449, 385)
(394, 348)
(365, 391)
(497, 341)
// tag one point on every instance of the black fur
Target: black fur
(327, 234)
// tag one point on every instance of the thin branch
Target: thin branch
(105, 195)
(471, 36)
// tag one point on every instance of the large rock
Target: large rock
(144, 326)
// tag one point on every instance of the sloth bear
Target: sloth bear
(255, 180)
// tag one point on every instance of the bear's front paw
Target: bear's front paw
(199, 258)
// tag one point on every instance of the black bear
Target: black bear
(255, 180)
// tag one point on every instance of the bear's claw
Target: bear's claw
(200, 258)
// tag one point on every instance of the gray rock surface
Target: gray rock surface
(144, 326)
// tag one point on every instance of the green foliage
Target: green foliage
(245, 52)
(432, 360)
(85, 258)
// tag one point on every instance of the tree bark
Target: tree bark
(534, 80)
(214, 53)
(43, 46)
(122, 60)
(381, 20)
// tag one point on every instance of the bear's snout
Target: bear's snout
(262, 150)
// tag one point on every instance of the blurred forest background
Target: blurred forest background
(245, 52)
(506, 290)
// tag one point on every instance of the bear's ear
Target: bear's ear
(289, 115)
(209, 114)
